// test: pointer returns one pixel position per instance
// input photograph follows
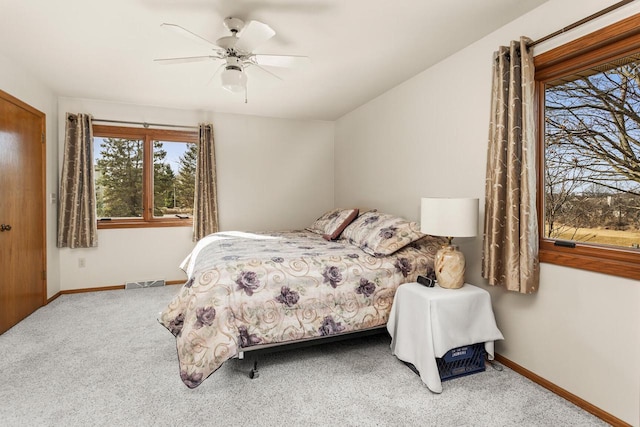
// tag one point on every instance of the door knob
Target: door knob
(5, 227)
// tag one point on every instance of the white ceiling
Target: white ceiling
(104, 49)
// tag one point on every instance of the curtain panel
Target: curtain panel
(510, 246)
(205, 211)
(77, 222)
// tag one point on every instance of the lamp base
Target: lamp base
(449, 265)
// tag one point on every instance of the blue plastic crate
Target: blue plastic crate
(461, 361)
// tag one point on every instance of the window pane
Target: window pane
(118, 177)
(174, 171)
(592, 152)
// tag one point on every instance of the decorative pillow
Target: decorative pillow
(331, 224)
(428, 246)
(380, 234)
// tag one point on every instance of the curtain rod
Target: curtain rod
(580, 22)
(145, 124)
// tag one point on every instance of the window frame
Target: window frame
(147, 135)
(607, 44)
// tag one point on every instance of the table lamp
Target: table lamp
(449, 217)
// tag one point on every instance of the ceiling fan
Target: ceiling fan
(236, 52)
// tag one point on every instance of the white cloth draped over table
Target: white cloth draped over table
(425, 323)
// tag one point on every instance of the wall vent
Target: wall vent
(144, 284)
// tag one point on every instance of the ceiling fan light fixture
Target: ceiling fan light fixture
(234, 79)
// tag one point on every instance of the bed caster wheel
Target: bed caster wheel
(254, 372)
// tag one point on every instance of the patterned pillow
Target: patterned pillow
(380, 234)
(331, 224)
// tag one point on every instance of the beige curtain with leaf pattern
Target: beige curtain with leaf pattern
(510, 252)
(77, 222)
(205, 211)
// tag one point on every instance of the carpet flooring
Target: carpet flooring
(103, 359)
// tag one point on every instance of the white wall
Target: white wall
(428, 137)
(273, 174)
(19, 83)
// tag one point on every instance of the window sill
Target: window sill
(588, 259)
(138, 223)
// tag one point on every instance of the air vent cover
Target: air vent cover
(144, 284)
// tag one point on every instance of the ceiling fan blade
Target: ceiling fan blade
(216, 73)
(184, 60)
(267, 71)
(254, 34)
(281, 60)
(188, 34)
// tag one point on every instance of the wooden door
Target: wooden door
(22, 211)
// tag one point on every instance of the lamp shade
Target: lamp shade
(449, 217)
(233, 79)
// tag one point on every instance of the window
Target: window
(589, 151)
(144, 177)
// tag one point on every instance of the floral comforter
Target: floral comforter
(245, 289)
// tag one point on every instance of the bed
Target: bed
(250, 290)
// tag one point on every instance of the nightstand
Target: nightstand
(426, 323)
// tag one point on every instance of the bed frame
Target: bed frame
(261, 349)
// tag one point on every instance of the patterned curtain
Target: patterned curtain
(205, 211)
(510, 247)
(77, 222)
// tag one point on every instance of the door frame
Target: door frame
(43, 153)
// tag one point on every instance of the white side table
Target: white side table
(425, 323)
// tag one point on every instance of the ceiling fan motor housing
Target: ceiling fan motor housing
(233, 63)
(227, 42)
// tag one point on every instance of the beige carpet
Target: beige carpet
(102, 359)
